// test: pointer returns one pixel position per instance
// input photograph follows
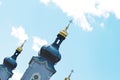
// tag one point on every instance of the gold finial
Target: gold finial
(68, 78)
(64, 32)
(19, 49)
(68, 25)
(23, 43)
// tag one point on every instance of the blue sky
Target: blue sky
(92, 48)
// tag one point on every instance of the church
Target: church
(40, 67)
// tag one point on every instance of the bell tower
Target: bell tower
(41, 67)
(9, 64)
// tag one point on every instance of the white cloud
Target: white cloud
(79, 8)
(102, 25)
(45, 1)
(19, 33)
(17, 75)
(38, 43)
(0, 2)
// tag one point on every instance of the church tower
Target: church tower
(41, 67)
(9, 64)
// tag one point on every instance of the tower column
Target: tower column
(41, 67)
(9, 64)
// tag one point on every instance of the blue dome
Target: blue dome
(50, 53)
(10, 63)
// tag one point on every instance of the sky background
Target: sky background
(92, 48)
